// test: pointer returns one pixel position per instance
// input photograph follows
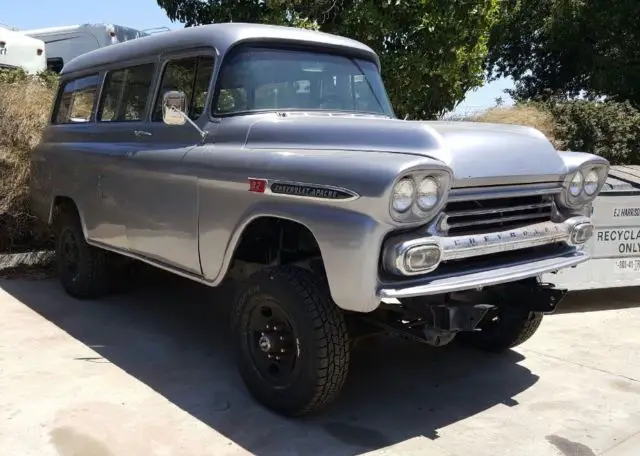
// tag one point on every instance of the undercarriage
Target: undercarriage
(436, 320)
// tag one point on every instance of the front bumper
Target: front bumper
(480, 260)
(470, 279)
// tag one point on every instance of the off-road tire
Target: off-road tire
(320, 333)
(512, 330)
(92, 278)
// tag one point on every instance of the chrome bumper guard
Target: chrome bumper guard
(573, 232)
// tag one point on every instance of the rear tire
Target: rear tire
(291, 341)
(508, 330)
(83, 270)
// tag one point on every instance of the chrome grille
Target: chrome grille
(495, 214)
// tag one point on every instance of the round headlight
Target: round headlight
(575, 187)
(403, 194)
(427, 194)
(591, 182)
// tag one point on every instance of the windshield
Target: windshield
(266, 79)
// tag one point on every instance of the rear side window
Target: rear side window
(189, 75)
(126, 94)
(76, 100)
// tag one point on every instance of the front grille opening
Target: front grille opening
(485, 216)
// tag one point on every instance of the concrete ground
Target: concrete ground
(148, 372)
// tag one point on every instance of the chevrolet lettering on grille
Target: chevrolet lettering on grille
(465, 246)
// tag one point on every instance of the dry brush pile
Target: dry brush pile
(25, 103)
(523, 115)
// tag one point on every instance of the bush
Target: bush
(606, 128)
(25, 101)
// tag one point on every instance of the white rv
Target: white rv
(65, 43)
(19, 51)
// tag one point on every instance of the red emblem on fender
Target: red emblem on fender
(257, 185)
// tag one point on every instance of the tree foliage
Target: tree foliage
(564, 48)
(432, 51)
(610, 129)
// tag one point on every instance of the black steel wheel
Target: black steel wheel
(271, 340)
(69, 253)
(291, 341)
(502, 329)
(82, 269)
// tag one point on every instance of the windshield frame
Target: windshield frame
(356, 57)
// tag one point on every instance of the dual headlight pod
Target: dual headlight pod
(581, 183)
(415, 197)
(582, 186)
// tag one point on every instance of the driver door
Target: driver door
(163, 188)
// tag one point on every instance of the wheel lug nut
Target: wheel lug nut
(282, 350)
(277, 358)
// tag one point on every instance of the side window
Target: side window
(125, 94)
(189, 75)
(76, 100)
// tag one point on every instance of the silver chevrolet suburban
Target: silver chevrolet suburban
(270, 157)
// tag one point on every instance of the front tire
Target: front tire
(502, 330)
(292, 346)
(83, 270)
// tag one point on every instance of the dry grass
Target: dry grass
(522, 115)
(24, 110)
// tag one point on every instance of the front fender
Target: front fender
(573, 160)
(349, 242)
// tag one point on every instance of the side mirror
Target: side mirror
(173, 108)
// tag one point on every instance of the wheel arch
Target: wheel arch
(63, 202)
(291, 239)
(348, 241)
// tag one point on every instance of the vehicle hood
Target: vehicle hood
(473, 150)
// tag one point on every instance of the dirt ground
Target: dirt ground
(148, 372)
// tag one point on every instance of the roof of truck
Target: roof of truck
(221, 36)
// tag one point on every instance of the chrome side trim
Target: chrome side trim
(473, 279)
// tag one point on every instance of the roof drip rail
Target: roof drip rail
(155, 30)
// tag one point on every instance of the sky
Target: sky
(145, 14)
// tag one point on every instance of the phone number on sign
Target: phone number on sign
(628, 265)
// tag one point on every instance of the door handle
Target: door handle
(140, 133)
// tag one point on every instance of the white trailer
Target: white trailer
(615, 245)
(65, 43)
(20, 51)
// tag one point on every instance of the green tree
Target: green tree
(432, 51)
(564, 48)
